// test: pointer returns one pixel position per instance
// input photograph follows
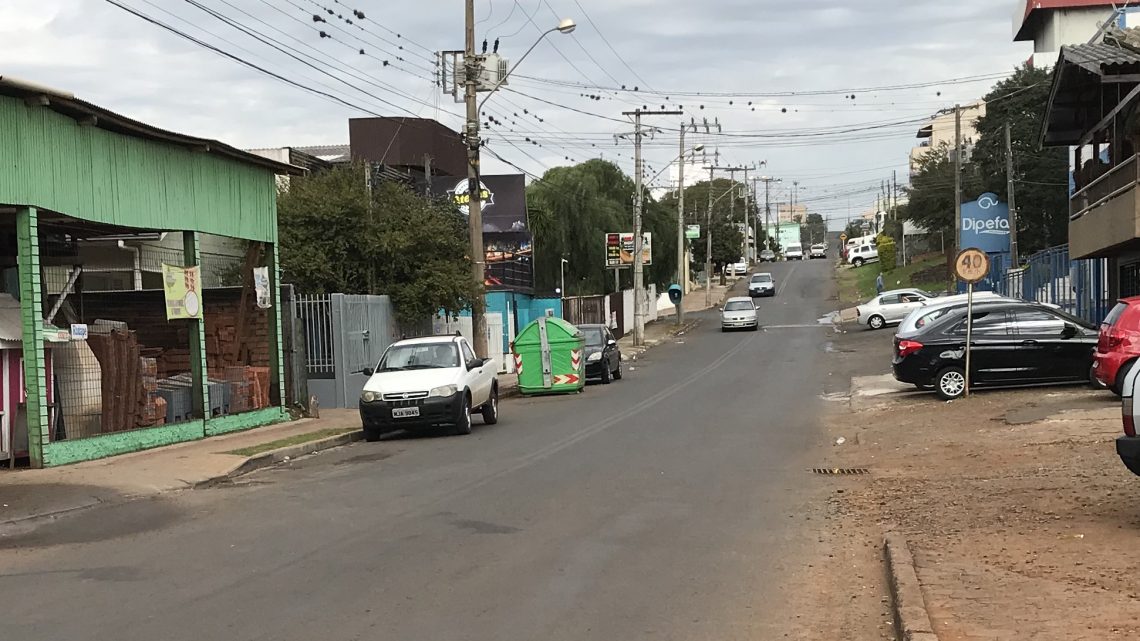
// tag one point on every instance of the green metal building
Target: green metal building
(73, 166)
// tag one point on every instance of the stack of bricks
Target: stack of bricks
(153, 408)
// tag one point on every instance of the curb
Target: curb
(912, 621)
(273, 457)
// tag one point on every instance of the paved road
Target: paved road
(662, 506)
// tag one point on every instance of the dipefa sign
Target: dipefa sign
(985, 225)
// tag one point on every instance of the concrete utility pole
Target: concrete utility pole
(768, 180)
(471, 68)
(1012, 197)
(638, 266)
(957, 187)
(708, 241)
(682, 263)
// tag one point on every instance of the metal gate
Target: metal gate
(1079, 287)
(585, 310)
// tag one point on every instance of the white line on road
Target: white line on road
(787, 279)
(813, 325)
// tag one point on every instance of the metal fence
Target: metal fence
(315, 310)
(1079, 287)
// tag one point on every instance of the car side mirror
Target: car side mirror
(368, 371)
(1069, 331)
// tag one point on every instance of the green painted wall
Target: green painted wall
(86, 449)
(245, 421)
(32, 324)
(50, 161)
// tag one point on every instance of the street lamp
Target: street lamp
(562, 275)
(475, 204)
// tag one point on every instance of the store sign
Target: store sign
(692, 232)
(182, 287)
(619, 250)
(985, 225)
(461, 194)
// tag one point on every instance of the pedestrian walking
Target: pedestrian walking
(879, 283)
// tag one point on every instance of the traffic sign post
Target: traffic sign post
(972, 265)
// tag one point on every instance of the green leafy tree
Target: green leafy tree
(813, 230)
(931, 191)
(728, 213)
(572, 208)
(1040, 174)
(404, 245)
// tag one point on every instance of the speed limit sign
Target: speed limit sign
(971, 265)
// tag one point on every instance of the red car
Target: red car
(1118, 346)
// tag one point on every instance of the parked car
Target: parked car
(739, 313)
(862, 254)
(1118, 345)
(891, 307)
(1128, 446)
(1013, 344)
(767, 256)
(428, 382)
(794, 252)
(739, 268)
(762, 284)
(818, 251)
(936, 307)
(603, 356)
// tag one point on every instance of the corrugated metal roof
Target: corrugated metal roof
(97, 116)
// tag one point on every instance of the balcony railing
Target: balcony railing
(1120, 180)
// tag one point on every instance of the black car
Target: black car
(603, 356)
(1013, 343)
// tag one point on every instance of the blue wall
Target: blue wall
(526, 307)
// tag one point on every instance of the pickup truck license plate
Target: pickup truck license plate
(405, 412)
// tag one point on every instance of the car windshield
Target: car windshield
(738, 306)
(419, 356)
(762, 278)
(595, 337)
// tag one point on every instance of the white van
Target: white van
(794, 252)
(862, 240)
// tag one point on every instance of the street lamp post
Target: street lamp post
(472, 67)
(562, 275)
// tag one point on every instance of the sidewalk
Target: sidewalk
(27, 494)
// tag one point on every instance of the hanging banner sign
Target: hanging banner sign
(183, 289)
(619, 250)
(261, 286)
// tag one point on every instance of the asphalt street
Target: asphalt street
(662, 506)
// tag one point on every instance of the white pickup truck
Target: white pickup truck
(427, 382)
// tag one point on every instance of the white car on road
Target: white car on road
(794, 252)
(739, 268)
(425, 382)
(891, 307)
(739, 313)
(818, 251)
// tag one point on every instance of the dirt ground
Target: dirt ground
(1023, 522)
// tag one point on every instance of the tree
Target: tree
(931, 191)
(409, 247)
(813, 230)
(727, 215)
(572, 208)
(1040, 174)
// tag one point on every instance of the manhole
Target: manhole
(841, 471)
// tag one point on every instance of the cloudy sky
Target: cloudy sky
(778, 75)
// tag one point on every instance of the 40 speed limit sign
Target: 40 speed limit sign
(972, 265)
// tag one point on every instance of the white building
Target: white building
(1049, 24)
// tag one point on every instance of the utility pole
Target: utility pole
(471, 68)
(1012, 198)
(638, 264)
(681, 262)
(957, 186)
(708, 240)
(768, 180)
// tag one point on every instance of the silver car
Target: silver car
(891, 307)
(739, 313)
(761, 284)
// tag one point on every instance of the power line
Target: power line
(586, 15)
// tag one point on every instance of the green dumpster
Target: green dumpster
(548, 357)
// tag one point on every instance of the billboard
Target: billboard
(985, 225)
(619, 249)
(508, 245)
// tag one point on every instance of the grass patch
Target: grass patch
(926, 272)
(292, 440)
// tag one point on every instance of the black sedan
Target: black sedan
(1013, 344)
(603, 356)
